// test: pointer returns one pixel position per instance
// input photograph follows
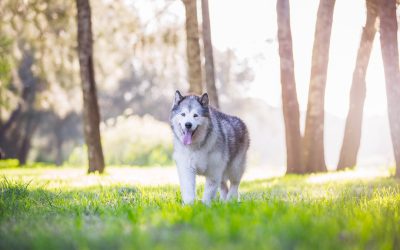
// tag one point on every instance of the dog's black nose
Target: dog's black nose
(188, 125)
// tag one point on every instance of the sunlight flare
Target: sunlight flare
(357, 174)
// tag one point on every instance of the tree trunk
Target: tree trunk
(17, 132)
(290, 104)
(313, 143)
(390, 57)
(15, 114)
(25, 144)
(58, 139)
(193, 47)
(352, 132)
(11, 120)
(208, 55)
(91, 114)
(59, 153)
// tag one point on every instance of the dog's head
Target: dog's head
(190, 117)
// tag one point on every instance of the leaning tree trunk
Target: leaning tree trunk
(91, 114)
(290, 104)
(313, 142)
(352, 131)
(208, 55)
(390, 57)
(193, 47)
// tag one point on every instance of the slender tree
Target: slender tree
(91, 114)
(390, 57)
(208, 55)
(290, 104)
(193, 47)
(352, 132)
(313, 142)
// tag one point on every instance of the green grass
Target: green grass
(39, 211)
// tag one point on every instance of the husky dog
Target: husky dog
(209, 143)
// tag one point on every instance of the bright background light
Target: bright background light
(250, 28)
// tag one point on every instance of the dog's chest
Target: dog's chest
(199, 161)
(206, 163)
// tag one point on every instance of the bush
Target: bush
(78, 157)
(9, 163)
(141, 141)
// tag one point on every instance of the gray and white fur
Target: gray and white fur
(210, 143)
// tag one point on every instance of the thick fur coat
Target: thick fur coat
(210, 143)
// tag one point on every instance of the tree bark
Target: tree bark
(91, 114)
(15, 114)
(11, 120)
(208, 55)
(390, 57)
(290, 104)
(193, 47)
(313, 142)
(352, 132)
(25, 145)
(58, 140)
(17, 132)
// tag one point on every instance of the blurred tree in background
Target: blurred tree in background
(91, 113)
(352, 131)
(41, 42)
(193, 47)
(139, 60)
(313, 141)
(208, 55)
(390, 57)
(290, 104)
(35, 66)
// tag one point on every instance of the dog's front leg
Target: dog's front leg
(210, 189)
(187, 180)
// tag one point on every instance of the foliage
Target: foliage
(72, 210)
(139, 141)
(5, 64)
(39, 28)
(14, 163)
(9, 163)
(139, 60)
(5, 73)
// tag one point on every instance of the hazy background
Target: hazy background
(141, 59)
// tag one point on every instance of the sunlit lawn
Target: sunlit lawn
(48, 208)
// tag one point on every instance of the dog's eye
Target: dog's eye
(195, 115)
(183, 114)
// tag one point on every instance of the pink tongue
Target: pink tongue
(187, 137)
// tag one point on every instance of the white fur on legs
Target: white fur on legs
(223, 191)
(187, 180)
(233, 194)
(210, 190)
(206, 141)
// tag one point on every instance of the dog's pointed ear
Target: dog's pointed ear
(204, 100)
(178, 97)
